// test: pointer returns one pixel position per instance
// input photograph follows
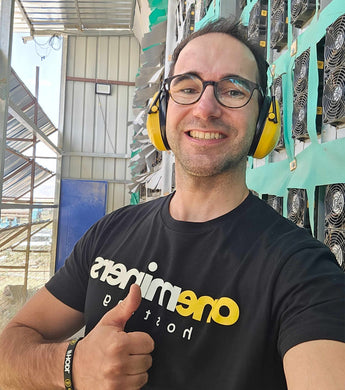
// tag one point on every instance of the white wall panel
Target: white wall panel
(98, 125)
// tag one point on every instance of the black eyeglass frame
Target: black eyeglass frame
(253, 86)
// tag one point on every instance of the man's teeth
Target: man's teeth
(205, 135)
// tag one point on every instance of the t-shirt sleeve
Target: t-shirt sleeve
(310, 298)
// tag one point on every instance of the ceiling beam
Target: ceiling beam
(25, 16)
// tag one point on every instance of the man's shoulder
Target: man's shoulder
(135, 212)
(153, 204)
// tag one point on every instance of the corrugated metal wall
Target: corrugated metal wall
(95, 134)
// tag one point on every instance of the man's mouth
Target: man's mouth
(205, 134)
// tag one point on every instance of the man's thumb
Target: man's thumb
(122, 312)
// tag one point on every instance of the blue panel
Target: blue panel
(82, 203)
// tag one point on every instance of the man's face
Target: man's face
(206, 137)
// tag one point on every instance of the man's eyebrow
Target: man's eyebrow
(236, 76)
(190, 73)
(230, 75)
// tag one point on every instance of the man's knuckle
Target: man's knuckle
(142, 379)
(119, 344)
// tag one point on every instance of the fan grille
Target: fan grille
(276, 202)
(254, 21)
(335, 240)
(302, 65)
(278, 93)
(300, 99)
(335, 44)
(279, 24)
(335, 206)
(333, 100)
(297, 8)
(299, 119)
(297, 205)
(301, 11)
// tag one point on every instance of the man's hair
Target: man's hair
(235, 30)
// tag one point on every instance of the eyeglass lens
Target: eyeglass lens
(231, 92)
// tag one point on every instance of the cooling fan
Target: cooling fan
(335, 240)
(298, 207)
(335, 221)
(334, 51)
(279, 24)
(333, 100)
(300, 97)
(335, 206)
(278, 93)
(301, 11)
(276, 202)
(257, 26)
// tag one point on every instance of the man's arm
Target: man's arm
(32, 349)
(315, 365)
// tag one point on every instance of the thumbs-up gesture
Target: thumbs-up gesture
(109, 358)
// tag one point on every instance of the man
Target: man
(233, 295)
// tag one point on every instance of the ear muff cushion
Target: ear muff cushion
(156, 119)
(267, 131)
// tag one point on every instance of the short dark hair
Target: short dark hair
(234, 29)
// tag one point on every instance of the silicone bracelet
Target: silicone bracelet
(67, 372)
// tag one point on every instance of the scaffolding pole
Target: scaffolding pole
(6, 30)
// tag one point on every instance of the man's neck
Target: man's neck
(202, 199)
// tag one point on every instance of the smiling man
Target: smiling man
(232, 295)
(210, 140)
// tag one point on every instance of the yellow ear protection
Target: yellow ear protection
(156, 120)
(267, 131)
(266, 136)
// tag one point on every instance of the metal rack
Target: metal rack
(22, 213)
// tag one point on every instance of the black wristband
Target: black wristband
(67, 371)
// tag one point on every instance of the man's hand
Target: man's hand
(110, 358)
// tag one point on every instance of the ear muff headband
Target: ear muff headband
(156, 119)
(267, 129)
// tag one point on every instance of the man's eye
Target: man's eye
(188, 91)
(233, 93)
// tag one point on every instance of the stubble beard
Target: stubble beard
(200, 163)
(203, 164)
(211, 169)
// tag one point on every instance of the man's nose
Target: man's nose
(207, 106)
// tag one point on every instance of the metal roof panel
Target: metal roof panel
(78, 15)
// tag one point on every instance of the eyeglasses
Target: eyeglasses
(231, 91)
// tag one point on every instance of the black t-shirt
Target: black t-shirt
(223, 300)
